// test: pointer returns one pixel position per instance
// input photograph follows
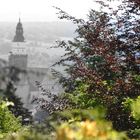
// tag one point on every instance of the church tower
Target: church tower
(18, 56)
(19, 33)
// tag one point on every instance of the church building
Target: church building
(27, 88)
(18, 56)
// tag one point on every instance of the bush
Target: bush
(27, 134)
(88, 125)
(8, 122)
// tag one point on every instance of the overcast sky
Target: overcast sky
(42, 10)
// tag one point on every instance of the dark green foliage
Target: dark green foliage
(81, 99)
(8, 77)
(132, 106)
(18, 110)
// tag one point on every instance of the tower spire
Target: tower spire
(19, 32)
(19, 16)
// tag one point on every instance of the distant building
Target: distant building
(18, 56)
(19, 33)
(27, 87)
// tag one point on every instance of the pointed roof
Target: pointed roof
(19, 33)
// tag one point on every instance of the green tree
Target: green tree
(18, 110)
(8, 77)
(103, 56)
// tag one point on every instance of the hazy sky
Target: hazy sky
(42, 10)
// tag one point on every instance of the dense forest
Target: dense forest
(101, 98)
